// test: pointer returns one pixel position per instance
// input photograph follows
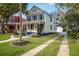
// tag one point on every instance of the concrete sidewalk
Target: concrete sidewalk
(39, 48)
(64, 48)
(13, 38)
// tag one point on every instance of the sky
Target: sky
(49, 7)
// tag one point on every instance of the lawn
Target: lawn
(16, 35)
(52, 49)
(4, 36)
(74, 47)
(6, 49)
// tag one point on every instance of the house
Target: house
(14, 23)
(40, 21)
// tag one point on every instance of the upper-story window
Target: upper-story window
(34, 17)
(40, 17)
(57, 18)
(28, 18)
(51, 19)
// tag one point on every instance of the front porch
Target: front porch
(28, 27)
(15, 27)
(34, 27)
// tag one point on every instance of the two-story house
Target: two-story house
(40, 21)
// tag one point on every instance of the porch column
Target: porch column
(22, 25)
(35, 26)
(16, 26)
(27, 26)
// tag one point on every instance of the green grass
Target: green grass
(15, 35)
(74, 47)
(4, 36)
(52, 49)
(6, 49)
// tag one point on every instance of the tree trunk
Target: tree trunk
(20, 21)
(2, 29)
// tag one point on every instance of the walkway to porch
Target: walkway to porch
(13, 38)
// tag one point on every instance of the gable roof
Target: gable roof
(39, 9)
(18, 14)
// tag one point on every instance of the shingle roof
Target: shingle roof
(39, 9)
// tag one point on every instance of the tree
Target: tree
(22, 10)
(71, 18)
(8, 9)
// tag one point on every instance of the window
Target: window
(34, 17)
(40, 17)
(51, 19)
(51, 27)
(54, 28)
(57, 18)
(28, 18)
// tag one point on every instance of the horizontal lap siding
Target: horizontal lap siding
(47, 26)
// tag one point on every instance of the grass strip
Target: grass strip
(52, 49)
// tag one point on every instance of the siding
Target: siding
(47, 26)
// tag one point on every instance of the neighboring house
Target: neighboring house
(14, 23)
(40, 21)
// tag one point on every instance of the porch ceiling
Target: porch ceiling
(36, 22)
(18, 23)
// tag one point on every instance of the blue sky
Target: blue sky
(49, 7)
